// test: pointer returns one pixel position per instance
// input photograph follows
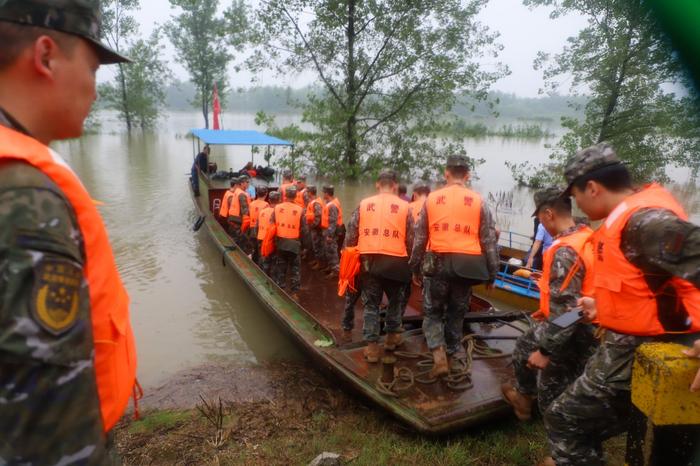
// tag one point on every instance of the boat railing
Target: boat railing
(514, 240)
(506, 275)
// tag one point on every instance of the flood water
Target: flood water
(186, 307)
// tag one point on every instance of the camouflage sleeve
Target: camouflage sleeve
(352, 233)
(332, 220)
(489, 240)
(556, 338)
(656, 240)
(409, 231)
(48, 394)
(318, 211)
(243, 202)
(420, 241)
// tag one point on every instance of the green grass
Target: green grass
(156, 420)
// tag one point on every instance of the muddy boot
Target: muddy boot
(371, 352)
(457, 363)
(393, 340)
(522, 404)
(347, 336)
(439, 363)
(548, 461)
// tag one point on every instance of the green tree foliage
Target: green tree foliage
(118, 25)
(199, 37)
(145, 79)
(626, 67)
(390, 70)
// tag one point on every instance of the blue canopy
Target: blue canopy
(238, 138)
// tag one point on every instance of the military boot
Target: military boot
(371, 352)
(439, 363)
(393, 340)
(522, 404)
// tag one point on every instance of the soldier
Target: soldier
(420, 194)
(382, 229)
(314, 233)
(456, 229)
(559, 354)
(264, 222)
(300, 198)
(331, 221)
(647, 266)
(239, 214)
(287, 217)
(287, 181)
(226, 201)
(255, 208)
(67, 353)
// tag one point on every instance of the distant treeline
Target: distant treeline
(273, 99)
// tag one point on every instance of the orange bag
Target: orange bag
(349, 268)
(268, 244)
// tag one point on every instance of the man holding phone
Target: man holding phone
(557, 350)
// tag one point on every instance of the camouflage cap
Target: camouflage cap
(588, 160)
(290, 191)
(547, 196)
(274, 196)
(458, 161)
(78, 17)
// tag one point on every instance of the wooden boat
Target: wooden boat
(512, 290)
(314, 323)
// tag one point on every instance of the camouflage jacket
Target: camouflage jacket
(48, 394)
(555, 339)
(487, 239)
(318, 211)
(333, 214)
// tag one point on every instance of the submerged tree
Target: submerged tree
(199, 37)
(626, 68)
(389, 69)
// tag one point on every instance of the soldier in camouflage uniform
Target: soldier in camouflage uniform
(287, 256)
(266, 263)
(236, 223)
(314, 232)
(49, 405)
(559, 354)
(330, 233)
(448, 277)
(661, 246)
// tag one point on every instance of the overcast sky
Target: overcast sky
(523, 34)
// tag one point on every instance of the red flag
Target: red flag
(216, 105)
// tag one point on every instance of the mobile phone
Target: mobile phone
(569, 318)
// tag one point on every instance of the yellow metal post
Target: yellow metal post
(665, 419)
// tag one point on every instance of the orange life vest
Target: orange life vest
(223, 210)
(325, 222)
(454, 217)
(416, 207)
(383, 225)
(264, 221)
(255, 208)
(299, 200)
(115, 351)
(310, 215)
(580, 242)
(288, 220)
(624, 300)
(235, 209)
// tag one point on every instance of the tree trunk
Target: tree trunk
(351, 91)
(125, 104)
(205, 110)
(614, 94)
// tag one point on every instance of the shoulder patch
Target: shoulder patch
(55, 298)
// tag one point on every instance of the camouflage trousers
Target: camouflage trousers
(317, 244)
(240, 238)
(265, 263)
(563, 368)
(596, 406)
(330, 248)
(287, 264)
(373, 289)
(445, 301)
(351, 298)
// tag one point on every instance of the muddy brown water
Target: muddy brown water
(187, 309)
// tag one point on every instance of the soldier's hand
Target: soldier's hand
(418, 280)
(590, 312)
(537, 360)
(694, 352)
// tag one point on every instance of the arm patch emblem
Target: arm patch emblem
(55, 298)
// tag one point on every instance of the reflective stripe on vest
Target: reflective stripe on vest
(454, 217)
(383, 225)
(310, 214)
(223, 210)
(416, 207)
(624, 300)
(288, 220)
(325, 214)
(115, 351)
(235, 209)
(580, 242)
(264, 222)
(255, 208)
